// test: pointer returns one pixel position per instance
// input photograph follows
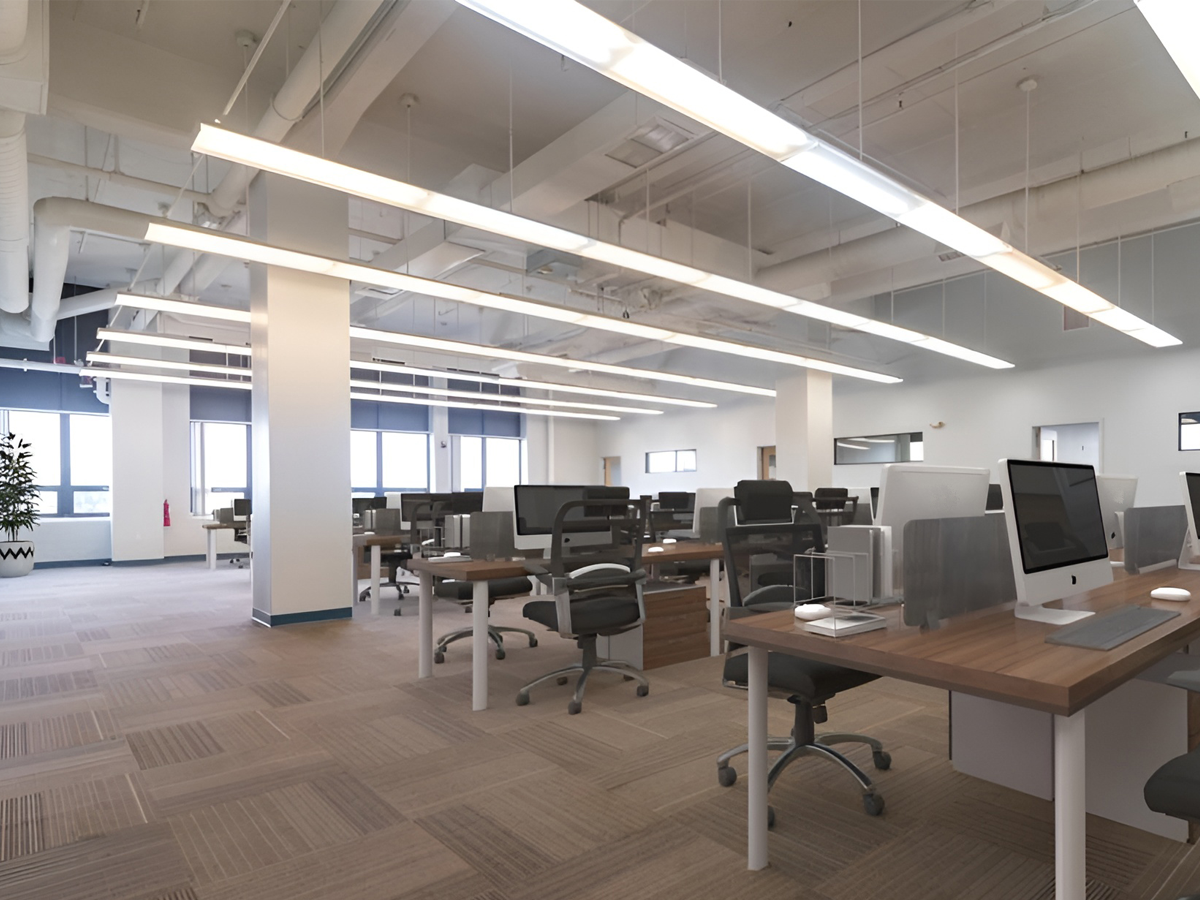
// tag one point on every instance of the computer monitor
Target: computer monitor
(241, 508)
(1116, 496)
(466, 502)
(360, 505)
(910, 491)
(1190, 481)
(1055, 535)
(678, 501)
(378, 503)
(536, 506)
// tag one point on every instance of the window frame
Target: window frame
(522, 459)
(676, 468)
(379, 489)
(1186, 418)
(915, 438)
(64, 491)
(198, 489)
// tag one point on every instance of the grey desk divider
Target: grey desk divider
(1154, 536)
(490, 535)
(955, 566)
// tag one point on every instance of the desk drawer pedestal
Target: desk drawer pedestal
(675, 630)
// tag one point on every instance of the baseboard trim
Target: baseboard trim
(316, 615)
(70, 563)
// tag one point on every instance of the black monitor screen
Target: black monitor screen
(378, 503)
(681, 501)
(467, 502)
(360, 504)
(1057, 511)
(537, 505)
(1193, 484)
(241, 507)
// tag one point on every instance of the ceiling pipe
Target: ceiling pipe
(130, 181)
(14, 22)
(339, 32)
(1058, 200)
(14, 213)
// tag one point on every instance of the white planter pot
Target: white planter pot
(16, 558)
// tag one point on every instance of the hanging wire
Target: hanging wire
(749, 228)
(860, 83)
(321, 71)
(1152, 278)
(1028, 103)
(956, 130)
(720, 43)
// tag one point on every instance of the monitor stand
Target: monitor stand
(1050, 616)
(1185, 554)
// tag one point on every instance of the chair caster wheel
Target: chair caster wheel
(770, 817)
(882, 760)
(561, 679)
(404, 590)
(439, 657)
(396, 612)
(574, 707)
(726, 776)
(499, 653)
(522, 699)
(873, 804)
(533, 642)
(643, 690)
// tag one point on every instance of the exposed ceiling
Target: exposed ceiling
(130, 80)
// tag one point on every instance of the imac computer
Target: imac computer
(536, 506)
(1191, 504)
(1116, 496)
(910, 491)
(1055, 535)
(241, 509)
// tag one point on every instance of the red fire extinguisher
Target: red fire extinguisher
(166, 513)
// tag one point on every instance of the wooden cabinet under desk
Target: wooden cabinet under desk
(675, 630)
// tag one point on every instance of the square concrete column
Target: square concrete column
(299, 331)
(804, 430)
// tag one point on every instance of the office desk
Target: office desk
(376, 542)
(210, 534)
(988, 654)
(480, 572)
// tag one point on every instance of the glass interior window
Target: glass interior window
(91, 454)
(503, 462)
(406, 460)
(1189, 431)
(364, 470)
(41, 430)
(685, 461)
(658, 461)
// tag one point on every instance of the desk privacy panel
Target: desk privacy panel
(1154, 535)
(955, 566)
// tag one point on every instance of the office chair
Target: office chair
(1174, 790)
(597, 587)
(835, 505)
(763, 576)
(387, 521)
(463, 592)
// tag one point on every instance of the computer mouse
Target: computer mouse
(1171, 593)
(669, 540)
(811, 611)
(654, 549)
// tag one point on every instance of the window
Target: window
(383, 461)
(220, 465)
(489, 462)
(72, 459)
(659, 461)
(879, 448)
(1189, 431)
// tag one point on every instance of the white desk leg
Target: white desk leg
(756, 729)
(479, 646)
(210, 548)
(1070, 808)
(376, 557)
(714, 607)
(425, 626)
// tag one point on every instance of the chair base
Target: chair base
(591, 663)
(495, 632)
(804, 742)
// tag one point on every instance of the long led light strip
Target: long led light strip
(163, 340)
(463, 349)
(270, 157)
(573, 30)
(455, 404)
(511, 398)
(202, 311)
(204, 241)
(1177, 24)
(144, 362)
(122, 375)
(151, 339)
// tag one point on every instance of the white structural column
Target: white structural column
(299, 331)
(804, 430)
(136, 409)
(1070, 808)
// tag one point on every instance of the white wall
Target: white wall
(61, 540)
(572, 453)
(726, 441)
(990, 416)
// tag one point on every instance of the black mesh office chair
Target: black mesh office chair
(835, 505)
(597, 586)
(463, 593)
(760, 549)
(1174, 790)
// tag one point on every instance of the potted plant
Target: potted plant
(18, 505)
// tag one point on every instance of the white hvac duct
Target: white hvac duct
(14, 22)
(14, 213)
(339, 31)
(1052, 209)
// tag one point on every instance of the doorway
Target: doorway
(612, 470)
(766, 463)
(1075, 443)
